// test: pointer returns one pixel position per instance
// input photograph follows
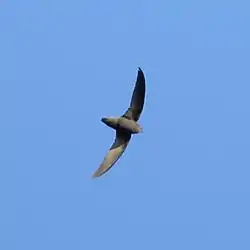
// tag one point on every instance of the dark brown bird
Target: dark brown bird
(125, 126)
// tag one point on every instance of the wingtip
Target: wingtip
(140, 71)
(95, 175)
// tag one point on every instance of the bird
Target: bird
(125, 126)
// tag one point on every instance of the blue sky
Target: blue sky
(183, 183)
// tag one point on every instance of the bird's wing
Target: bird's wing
(137, 100)
(114, 153)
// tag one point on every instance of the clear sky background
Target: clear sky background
(183, 183)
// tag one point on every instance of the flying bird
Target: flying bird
(125, 126)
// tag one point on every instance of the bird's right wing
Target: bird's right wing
(114, 153)
(138, 96)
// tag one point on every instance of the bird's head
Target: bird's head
(110, 121)
(104, 119)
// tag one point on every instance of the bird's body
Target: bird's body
(122, 124)
(125, 126)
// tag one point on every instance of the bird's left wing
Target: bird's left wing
(114, 153)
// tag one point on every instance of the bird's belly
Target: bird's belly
(129, 125)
